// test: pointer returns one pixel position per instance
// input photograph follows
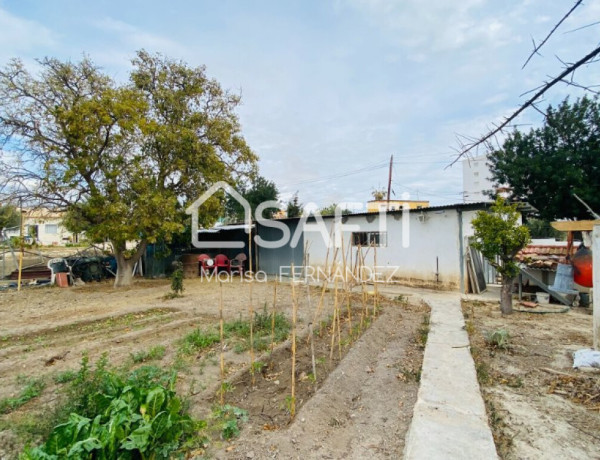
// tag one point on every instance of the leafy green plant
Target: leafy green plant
(33, 388)
(119, 417)
(497, 339)
(177, 280)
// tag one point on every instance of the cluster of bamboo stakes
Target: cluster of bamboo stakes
(341, 257)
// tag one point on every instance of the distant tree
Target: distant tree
(122, 160)
(378, 195)
(547, 165)
(499, 237)
(539, 228)
(330, 210)
(260, 190)
(9, 216)
(294, 207)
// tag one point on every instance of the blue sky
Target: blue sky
(332, 88)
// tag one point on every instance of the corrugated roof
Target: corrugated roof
(480, 205)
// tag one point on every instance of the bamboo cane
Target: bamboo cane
(251, 310)
(294, 312)
(324, 286)
(273, 317)
(222, 358)
(375, 291)
(334, 322)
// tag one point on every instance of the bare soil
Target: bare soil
(364, 394)
(538, 405)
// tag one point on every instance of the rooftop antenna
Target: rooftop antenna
(389, 183)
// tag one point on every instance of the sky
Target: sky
(332, 88)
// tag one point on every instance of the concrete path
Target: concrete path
(449, 420)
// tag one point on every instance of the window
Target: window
(51, 229)
(476, 174)
(369, 239)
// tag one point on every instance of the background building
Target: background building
(476, 179)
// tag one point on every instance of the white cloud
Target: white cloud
(21, 35)
(136, 38)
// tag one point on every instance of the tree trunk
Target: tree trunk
(125, 264)
(506, 295)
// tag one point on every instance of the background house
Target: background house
(477, 179)
(394, 205)
(44, 226)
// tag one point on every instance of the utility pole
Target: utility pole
(389, 183)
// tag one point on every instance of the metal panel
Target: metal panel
(270, 260)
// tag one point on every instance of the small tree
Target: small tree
(294, 207)
(330, 210)
(378, 195)
(9, 216)
(499, 237)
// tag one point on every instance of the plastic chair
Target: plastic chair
(206, 264)
(59, 265)
(222, 262)
(237, 264)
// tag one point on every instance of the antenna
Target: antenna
(389, 183)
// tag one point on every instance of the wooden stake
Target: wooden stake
(22, 251)
(375, 291)
(294, 312)
(312, 351)
(222, 398)
(273, 317)
(251, 336)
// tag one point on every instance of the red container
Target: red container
(62, 280)
(583, 267)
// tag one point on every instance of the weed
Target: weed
(257, 367)
(410, 375)
(65, 377)
(155, 353)
(423, 332)
(289, 403)
(198, 340)
(33, 388)
(239, 331)
(227, 418)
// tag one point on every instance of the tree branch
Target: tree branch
(537, 48)
(482, 140)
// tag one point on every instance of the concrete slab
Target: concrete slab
(449, 420)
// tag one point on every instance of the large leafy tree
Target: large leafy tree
(122, 160)
(546, 166)
(499, 236)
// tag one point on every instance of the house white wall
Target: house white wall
(432, 235)
(476, 179)
(47, 226)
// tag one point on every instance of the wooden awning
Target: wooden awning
(575, 225)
